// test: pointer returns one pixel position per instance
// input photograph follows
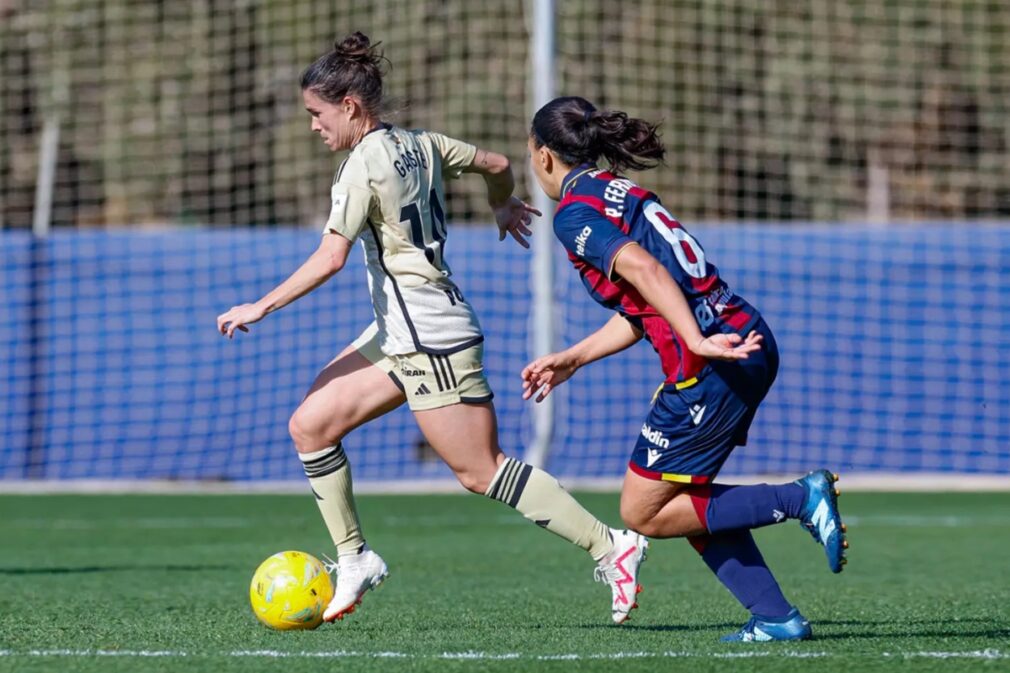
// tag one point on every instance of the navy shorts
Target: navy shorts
(694, 425)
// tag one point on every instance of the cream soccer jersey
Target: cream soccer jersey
(389, 194)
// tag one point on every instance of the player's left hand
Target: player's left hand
(237, 317)
(547, 373)
(728, 346)
(514, 217)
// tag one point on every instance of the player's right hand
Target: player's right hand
(546, 373)
(514, 217)
(728, 347)
(237, 317)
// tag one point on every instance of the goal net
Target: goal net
(844, 163)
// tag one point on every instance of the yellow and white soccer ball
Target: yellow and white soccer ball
(290, 590)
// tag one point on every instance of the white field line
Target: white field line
(988, 654)
(977, 654)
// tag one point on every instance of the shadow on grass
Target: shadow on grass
(902, 621)
(664, 627)
(971, 627)
(859, 629)
(112, 569)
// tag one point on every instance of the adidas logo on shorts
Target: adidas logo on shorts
(422, 390)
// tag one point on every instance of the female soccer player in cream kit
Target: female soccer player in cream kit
(425, 346)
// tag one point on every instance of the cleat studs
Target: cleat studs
(838, 492)
(834, 476)
(638, 589)
(845, 544)
(845, 529)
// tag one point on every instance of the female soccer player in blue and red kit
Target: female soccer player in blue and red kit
(717, 353)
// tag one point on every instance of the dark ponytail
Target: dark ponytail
(579, 133)
(355, 66)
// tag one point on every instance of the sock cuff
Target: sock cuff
(509, 481)
(323, 462)
(321, 453)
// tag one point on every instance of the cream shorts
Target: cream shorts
(431, 381)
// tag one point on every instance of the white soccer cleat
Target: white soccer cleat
(356, 574)
(619, 569)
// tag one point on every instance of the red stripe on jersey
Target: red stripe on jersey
(596, 279)
(634, 304)
(704, 285)
(599, 206)
(679, 363)
(640, 193)
(592, 201)
(737, 320)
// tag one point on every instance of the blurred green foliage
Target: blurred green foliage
(189, 111)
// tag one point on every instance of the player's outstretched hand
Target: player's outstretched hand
(546, 373)
(728, 346)
(237, 317)
(514, 217)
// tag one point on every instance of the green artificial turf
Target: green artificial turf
(159, 583)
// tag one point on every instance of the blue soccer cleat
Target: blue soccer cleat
(793, 626)
(820, 516)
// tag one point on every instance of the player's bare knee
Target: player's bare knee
(300, 435)
(309, 435)
(642, 526)
(644, 520)
(634, 518)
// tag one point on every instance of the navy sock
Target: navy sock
(737, 562)
(728, 507)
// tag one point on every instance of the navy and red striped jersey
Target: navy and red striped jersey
(599, 214)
